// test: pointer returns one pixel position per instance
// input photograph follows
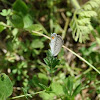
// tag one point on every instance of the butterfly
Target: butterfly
(55, 44)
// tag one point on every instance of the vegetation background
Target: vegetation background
(30, 74)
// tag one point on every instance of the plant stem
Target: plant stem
(65, 27)
(72, 53)
(27, 95)
(75, 4)
(82, 59)
(41, 34)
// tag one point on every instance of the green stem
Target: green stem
(51, 21)
(27, 95)
(82, 59)
(75, 4)
(65, 28)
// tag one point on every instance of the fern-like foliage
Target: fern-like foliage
(81, 22)
(98, 13)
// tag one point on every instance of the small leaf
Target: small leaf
(43, 86)
(5, 12)
(6, 86)
(17, 21)
(51, 62)
(27, 21)
(37, 44)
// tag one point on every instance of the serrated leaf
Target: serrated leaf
(84, 21)
(43, 86)
(81, 21)
(88, 13)
(6, 86)
(50, 60)
(91, 4)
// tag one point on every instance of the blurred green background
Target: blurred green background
(22, 51)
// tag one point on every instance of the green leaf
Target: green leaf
(43, 78)
(57, 88)
(37, 44)
(77, 90)
(6, 86)
(34, 27)
(17, 21)
(88, 13)
(43, 86)
(68, 85)
(1, 28)
(51, 62)
(5, 12)
(81, 23)
(27, 21)
(70, 82)
(20, 6)
(47, 96)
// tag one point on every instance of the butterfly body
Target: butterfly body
(55, 44)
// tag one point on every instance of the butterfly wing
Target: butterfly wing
(57, 45)
(52, 44)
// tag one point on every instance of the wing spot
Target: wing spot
(52, 37)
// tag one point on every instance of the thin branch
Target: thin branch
(41, 34)
(82, 59)
(27, 95)
(72, 53)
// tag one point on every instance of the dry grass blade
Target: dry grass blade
(71, 52)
